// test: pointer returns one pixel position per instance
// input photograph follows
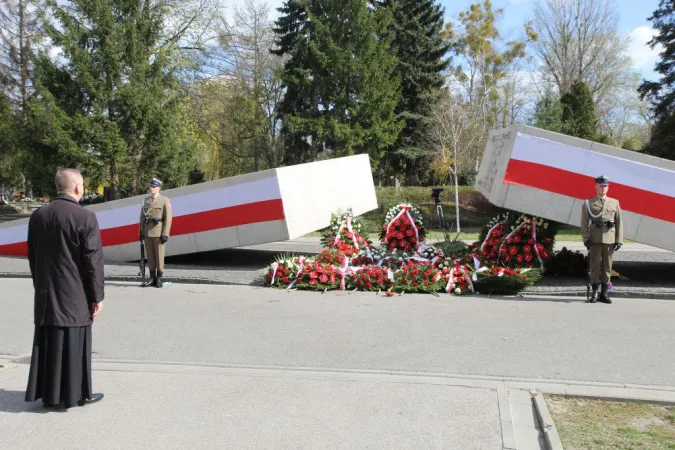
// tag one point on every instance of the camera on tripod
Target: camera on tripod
(436, 195)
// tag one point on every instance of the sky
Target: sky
(633, 15)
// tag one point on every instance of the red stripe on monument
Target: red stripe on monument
(232, 216)
(571, 184)
(17, 249)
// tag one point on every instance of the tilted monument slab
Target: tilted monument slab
(267, 206)
(548, 174)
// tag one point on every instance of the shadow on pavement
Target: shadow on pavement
(13, 402)
(232, 258)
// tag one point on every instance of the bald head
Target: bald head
(70, 182)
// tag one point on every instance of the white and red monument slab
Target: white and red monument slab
(268, 206)
(547, 174)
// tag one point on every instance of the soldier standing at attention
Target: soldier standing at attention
(602, 232)
(155, 228)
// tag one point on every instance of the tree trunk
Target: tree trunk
(459, 229)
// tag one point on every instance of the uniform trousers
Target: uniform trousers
(600, 260)
(154, 251)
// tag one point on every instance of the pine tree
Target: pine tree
(548, 113)
(341, 91)
(420, 49)
(115, 108)
(661, 93)
(578, 112)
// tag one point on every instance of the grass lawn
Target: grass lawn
(605, 425)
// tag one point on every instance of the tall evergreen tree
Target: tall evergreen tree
(115, 107)
(548, 113)
(578, 112)
(341, 91)
(420, 49)
(662, 92)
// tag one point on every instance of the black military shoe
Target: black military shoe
(153, 274)
(604, 295)
(93, 399)
(594, 295)
(158, 283)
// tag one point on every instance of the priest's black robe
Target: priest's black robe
(66, 261)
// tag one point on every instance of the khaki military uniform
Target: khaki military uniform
(603, 237)
(159, 208)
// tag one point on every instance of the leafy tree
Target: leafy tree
(484, 62)
(115, 107)
(10, 145)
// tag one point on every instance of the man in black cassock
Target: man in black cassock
(66, 263)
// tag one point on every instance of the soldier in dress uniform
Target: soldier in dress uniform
(602, 231)
(154, 230)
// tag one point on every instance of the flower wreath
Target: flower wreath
(345, 233)
(403, 228)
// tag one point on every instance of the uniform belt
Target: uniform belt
(607, 223)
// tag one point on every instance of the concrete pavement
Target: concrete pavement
(627, 342)
(196, 407)
(204, 365)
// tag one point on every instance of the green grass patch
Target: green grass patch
(605, 425)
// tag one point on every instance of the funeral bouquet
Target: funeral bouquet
(504, 280)
(345, 233)
(515, 241)
(395, 259)
(372, 278)
(283, 271)
(417, 276)
(458, 278)
(403, 228)
(318, 276)
(367, 256)
(332, 256)
(528, 244)
(430, 253)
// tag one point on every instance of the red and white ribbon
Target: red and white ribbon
(346, 222)
(487, 238)
(518, 228)
(274, 267)
(405, 210)
(451, 281)
(536, 249)
(301, 264)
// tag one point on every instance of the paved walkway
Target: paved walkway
(199, 365)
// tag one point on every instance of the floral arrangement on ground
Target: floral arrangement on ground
(510, 257)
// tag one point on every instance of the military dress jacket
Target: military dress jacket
(159, 209)
(594, 226)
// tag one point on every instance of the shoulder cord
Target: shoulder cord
(144, 211)
(588, 208)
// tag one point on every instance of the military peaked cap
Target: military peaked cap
(155, 182)
(602, 180)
